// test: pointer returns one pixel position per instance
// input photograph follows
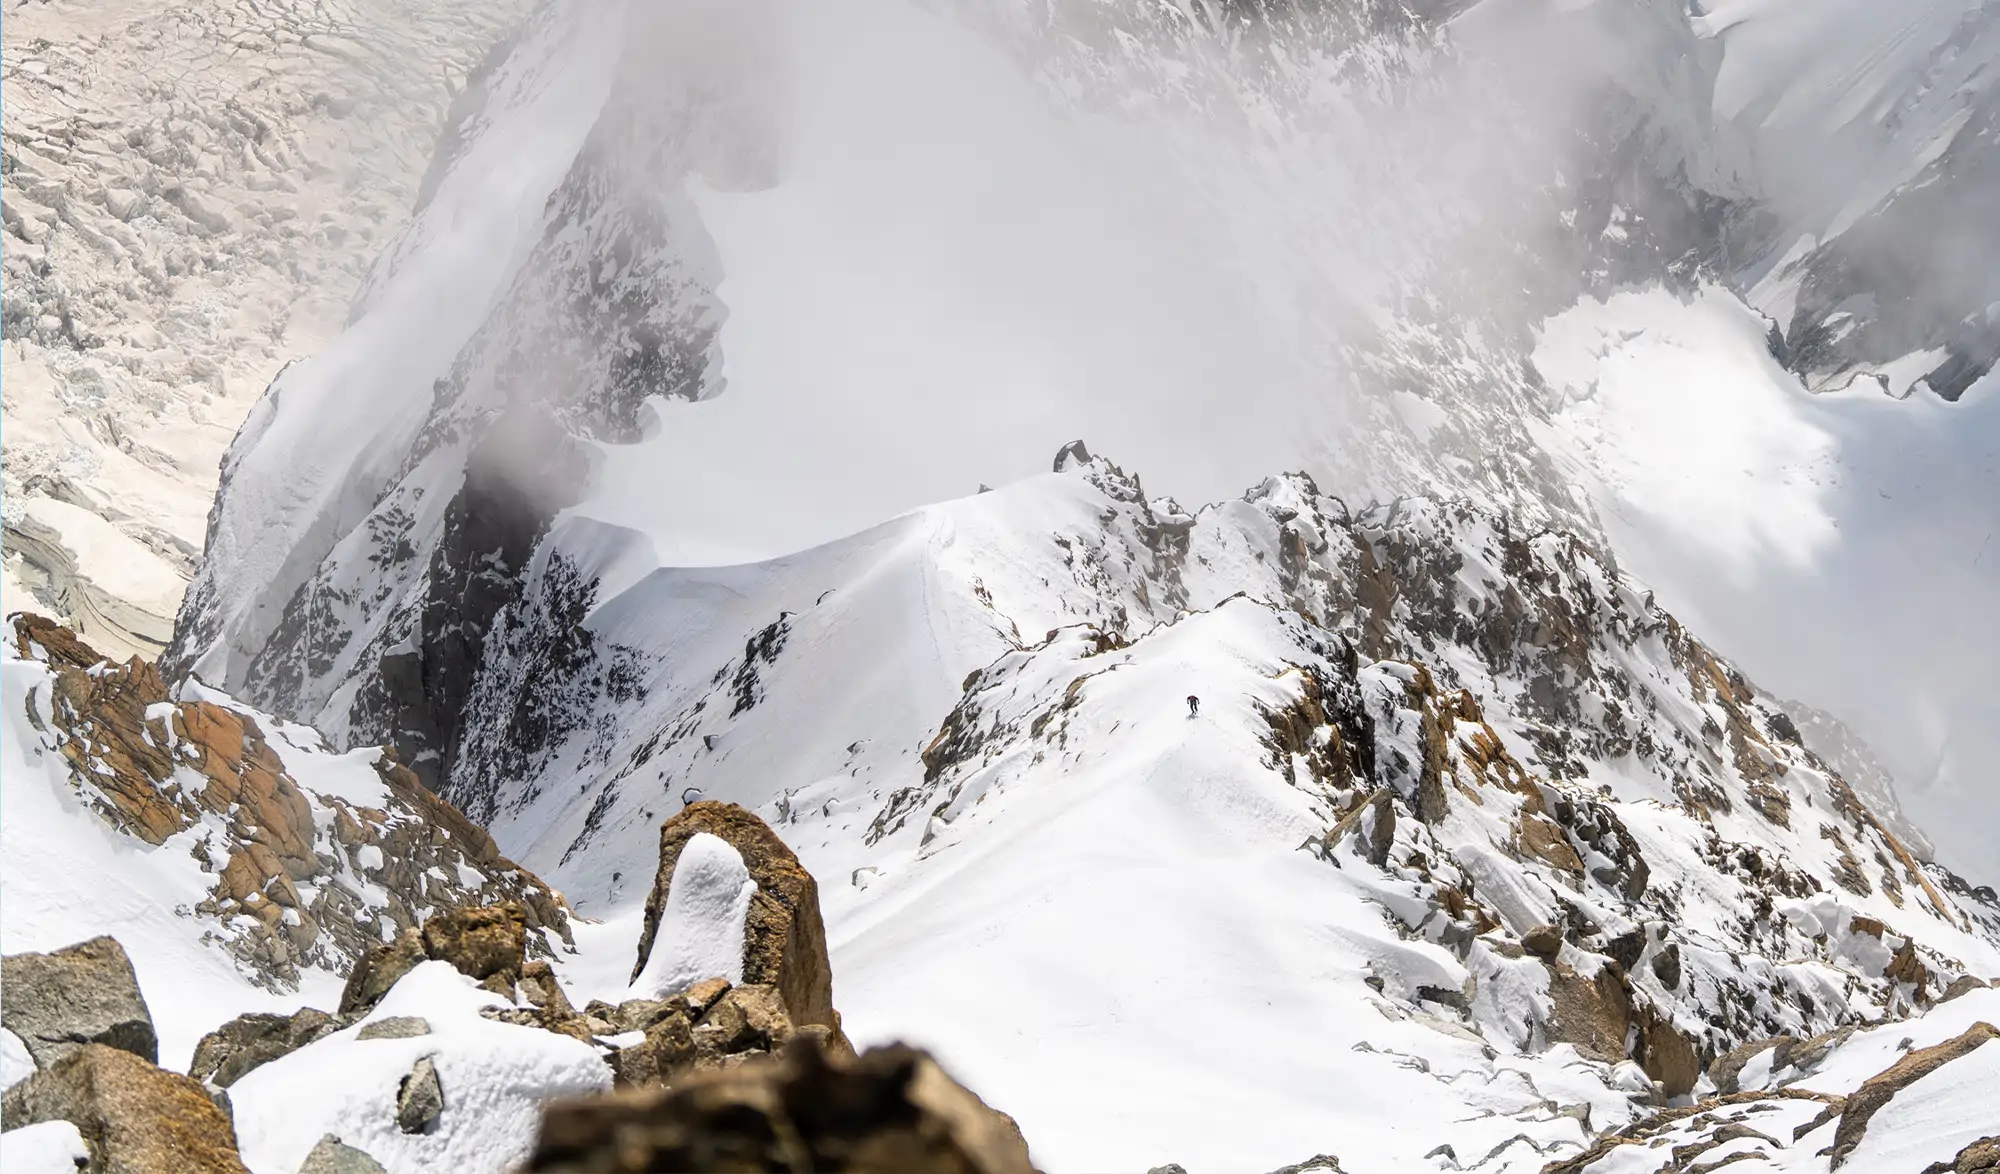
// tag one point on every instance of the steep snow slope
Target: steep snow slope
(192, 192)
(1840, 544)
(1293, 922)
(1422, 734)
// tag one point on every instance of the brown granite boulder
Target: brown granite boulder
(1727, 1070)
(1665, 1051)
(1592, 1012)
(784, 939)
(82, 994)
(890, 1109)
(489, 944)
(379, 969)
(134, 1117)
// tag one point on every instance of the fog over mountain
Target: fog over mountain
(1557, 446)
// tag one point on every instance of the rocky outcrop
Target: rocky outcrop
(135, 1118)
(1591, 1011)
(82, 994)
(889, 1109)
(488, 944)
(247, 1042)
(1794, 1125)
(711, 1025)
(1728, 1067)
(784, 939)
(1981, 1157)
(1665, 1052)
(332, 1156)
(302, 878)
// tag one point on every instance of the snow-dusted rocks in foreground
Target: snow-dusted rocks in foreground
(494, 1078)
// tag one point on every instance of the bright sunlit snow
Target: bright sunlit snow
(1842, 545)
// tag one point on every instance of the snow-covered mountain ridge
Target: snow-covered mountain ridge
(1460, 805)
(1126, 261)
(1382, 810)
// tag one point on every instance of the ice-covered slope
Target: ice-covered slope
(192, 193)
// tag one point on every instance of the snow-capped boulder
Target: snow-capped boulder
(82, 994)
(780, 939)
(52, 1147)
(899, 1110)
(134, 1117)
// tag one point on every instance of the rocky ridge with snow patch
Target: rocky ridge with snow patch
(304, 878)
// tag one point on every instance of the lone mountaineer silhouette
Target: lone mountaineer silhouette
(1194, 705)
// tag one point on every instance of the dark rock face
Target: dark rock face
(890, 1109)
(135, 1118)
(472, 656)
(784, 938)
(247, 1042)
(420, 1099)
(82, 994)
